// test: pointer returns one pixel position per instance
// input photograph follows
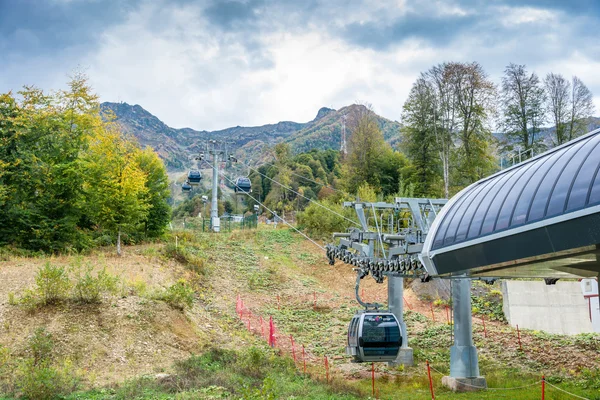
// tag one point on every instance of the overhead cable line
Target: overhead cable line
(274, 213)
(308, 179)
(301, 195)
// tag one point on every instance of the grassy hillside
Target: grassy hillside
(138, 341)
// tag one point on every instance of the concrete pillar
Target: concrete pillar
(396, 306)
(464, 366)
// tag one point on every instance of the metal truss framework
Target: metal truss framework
(398, 247)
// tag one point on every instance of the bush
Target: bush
(45, 381)
(40, 346)
(489, 304)
(52, 284)
(89, 288)
(320, 222)
(184, 256)
(180, 295)
(6, 370)
(38, 378)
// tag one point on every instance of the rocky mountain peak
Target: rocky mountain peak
(323, 111)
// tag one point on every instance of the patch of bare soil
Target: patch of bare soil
(124, 336)
(131, 335)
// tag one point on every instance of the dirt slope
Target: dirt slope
(276, 273)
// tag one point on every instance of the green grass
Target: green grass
(255, 373)
(263, 373)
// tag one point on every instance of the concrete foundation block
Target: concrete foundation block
(405, 357)
(464, 384)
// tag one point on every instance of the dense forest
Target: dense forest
(69, 179)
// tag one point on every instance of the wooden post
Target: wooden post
(484, 330)
(304, 359)
(293, 349)
(262, 328)
(373, 378)
(447, 315)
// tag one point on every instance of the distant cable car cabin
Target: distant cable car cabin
(194, 177)
(186, 187)
(374, 336)
(243, 185)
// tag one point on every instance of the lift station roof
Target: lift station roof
(539, 218)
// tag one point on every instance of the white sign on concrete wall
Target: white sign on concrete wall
(559, 308)
(589, 288)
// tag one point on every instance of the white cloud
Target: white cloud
(191, 79)
(512, 16)
(284, 66)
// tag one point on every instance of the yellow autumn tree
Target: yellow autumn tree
(115, 185)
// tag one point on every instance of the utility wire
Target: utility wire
(274, 213)
(301, 195)
(308, 179)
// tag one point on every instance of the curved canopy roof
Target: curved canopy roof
(506, 217)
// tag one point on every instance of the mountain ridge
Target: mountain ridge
(176, 146)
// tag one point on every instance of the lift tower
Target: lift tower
(394, 250)
(391, 251)
(216, 152)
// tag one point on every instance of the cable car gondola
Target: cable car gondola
(186, 187)
(194, 177)
(243, 185)
(374, 336)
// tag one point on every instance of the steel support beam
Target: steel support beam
(396, 306)
(215, 222)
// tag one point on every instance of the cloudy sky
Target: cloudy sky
(211, 64)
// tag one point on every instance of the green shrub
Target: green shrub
(40, 346)
(144, 387)
(179, 295)
(44, 381)
(6, 370)
(185, 256)
(37, 376)
(321, 223)
(89, 288)
(52, 284)
(11, 299)
(489, 304)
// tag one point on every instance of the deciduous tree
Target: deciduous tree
(523, 112)
(115, 185)
(475, 95)
(581, 109)
(558, 90)
(419, 132)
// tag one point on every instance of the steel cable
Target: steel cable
(272, 212)
(301, 195)
(303, 177)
